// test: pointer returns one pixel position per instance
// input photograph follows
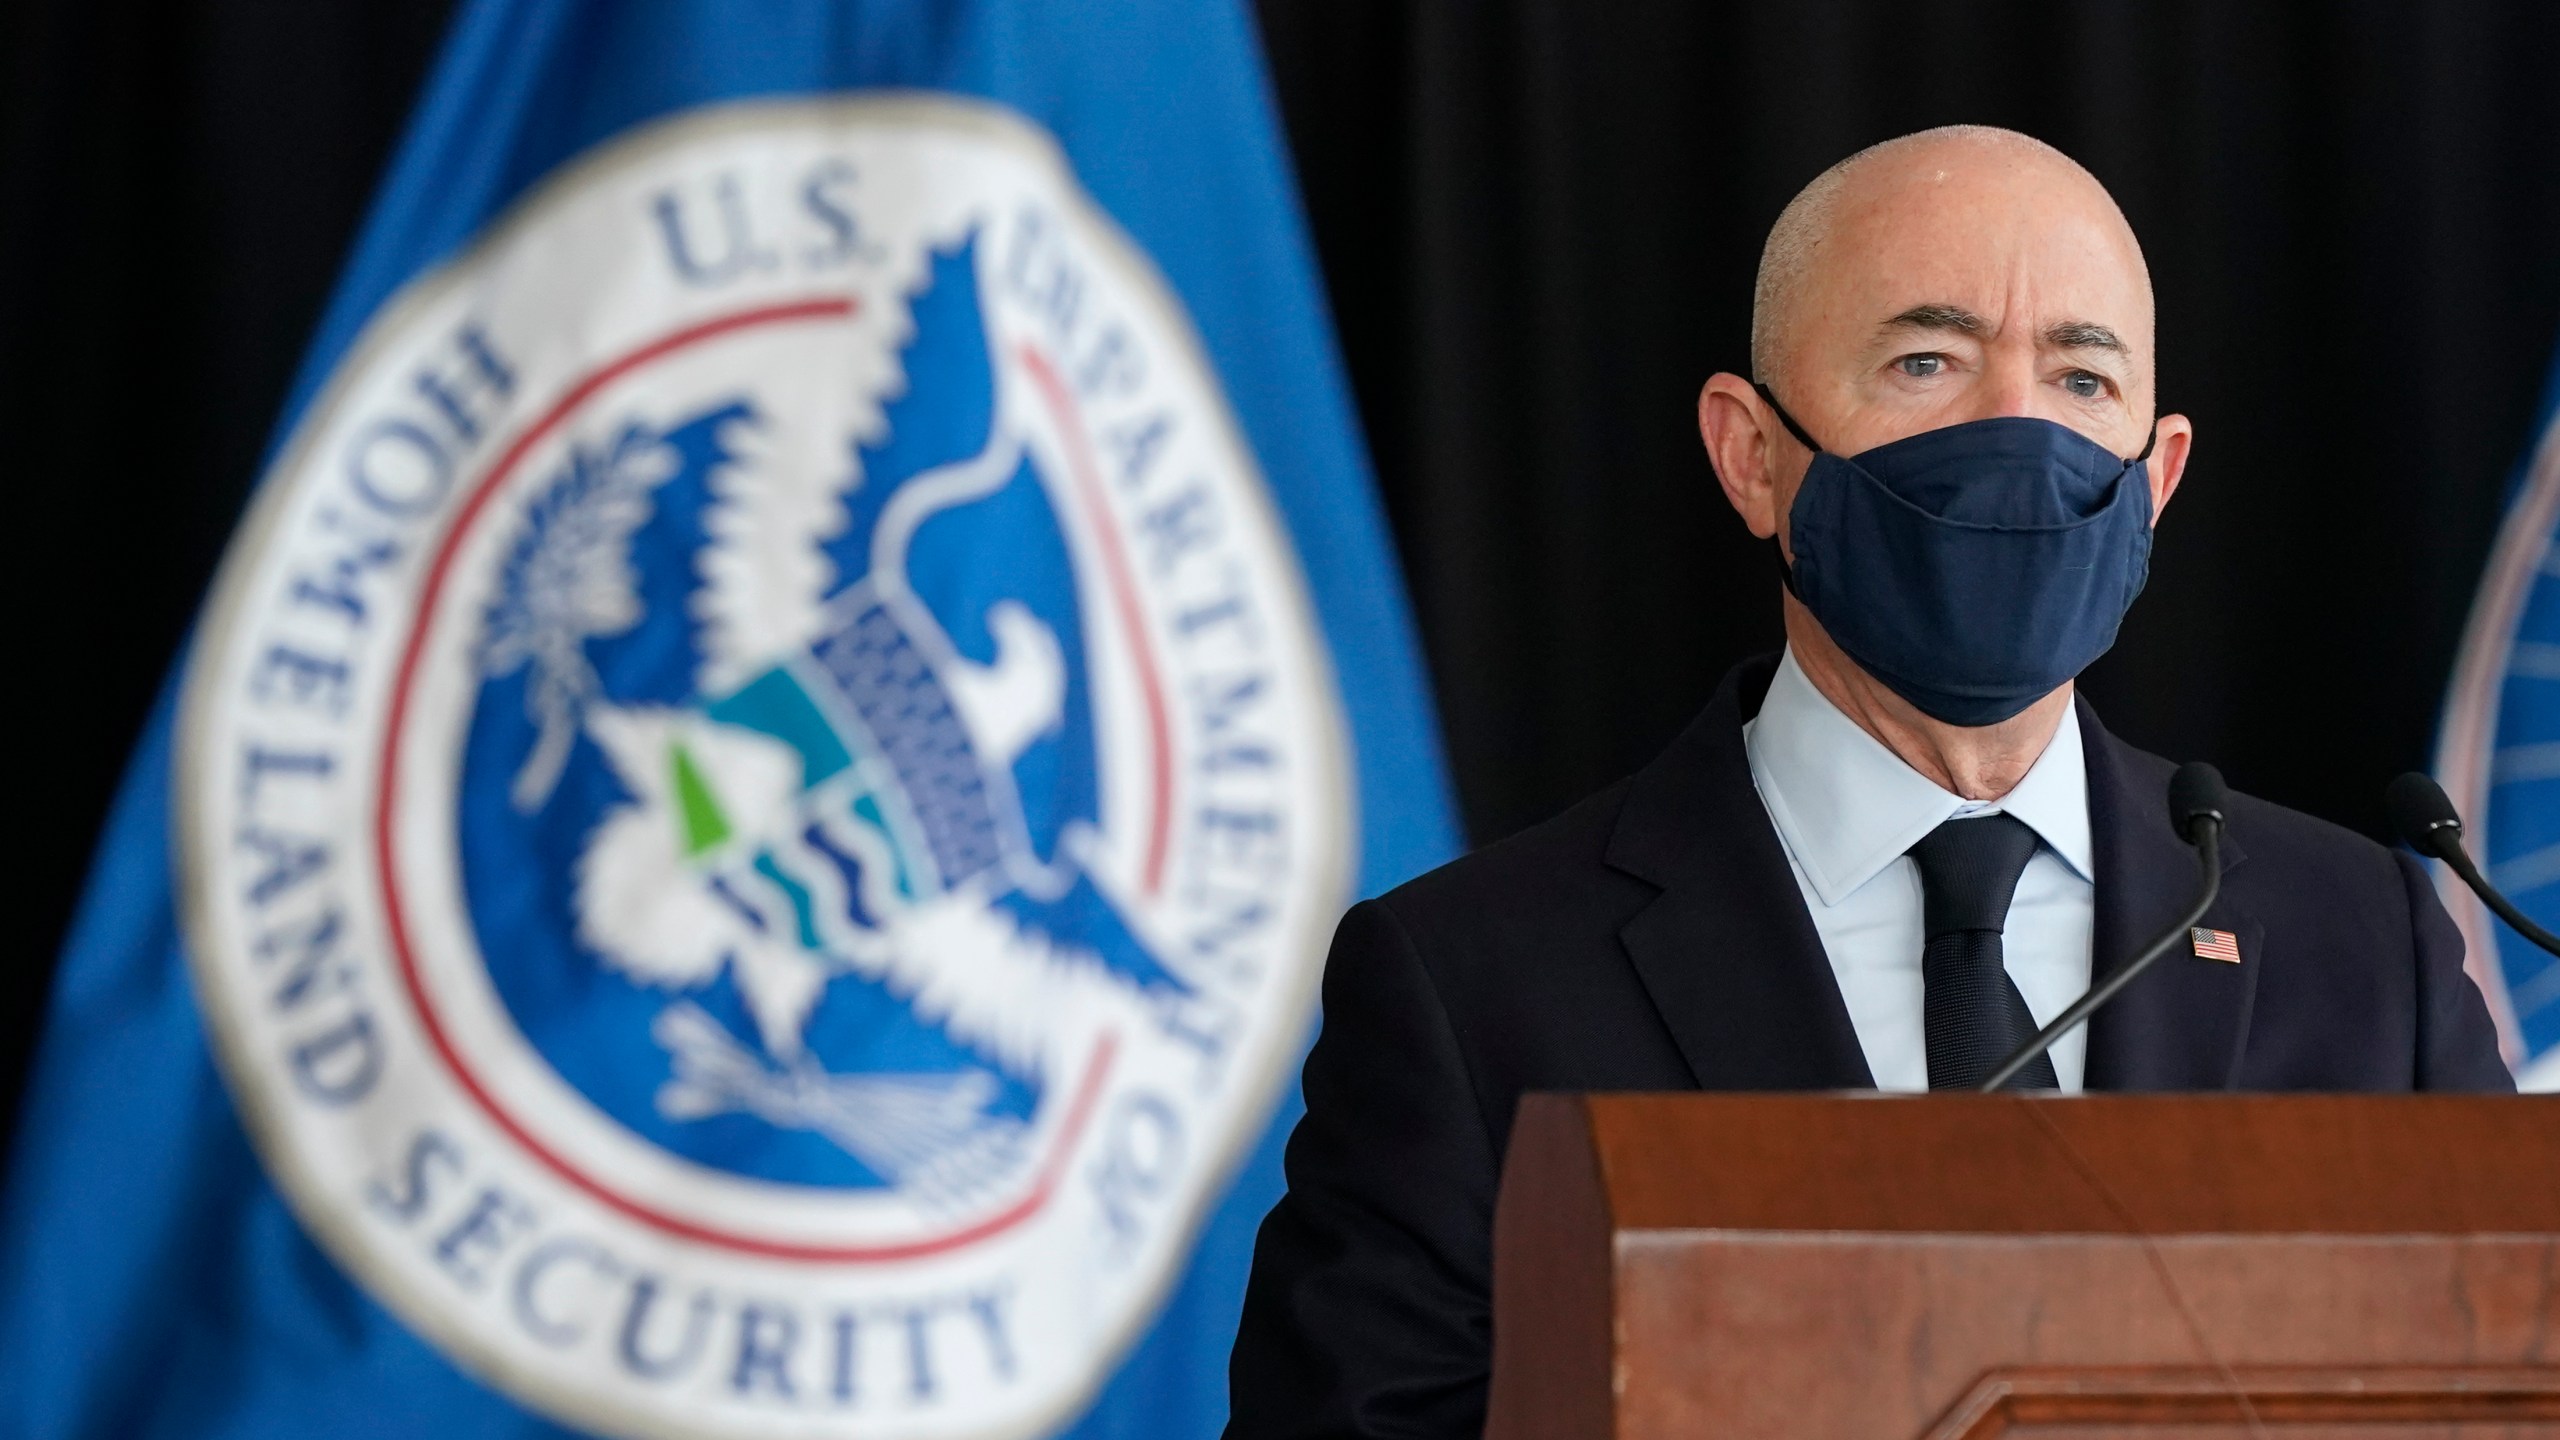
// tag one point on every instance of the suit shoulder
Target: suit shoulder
(1556, 864)
(2265, 826)
(2312, 877)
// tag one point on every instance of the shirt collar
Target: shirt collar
(1847, 807)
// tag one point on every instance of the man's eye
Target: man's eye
(2084, 385)
(1921, 367)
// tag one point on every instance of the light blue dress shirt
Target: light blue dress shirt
(1846, 808)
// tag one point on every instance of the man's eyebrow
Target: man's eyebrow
(1939, 317)
(2083, 335)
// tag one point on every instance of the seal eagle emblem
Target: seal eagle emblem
(762, 798)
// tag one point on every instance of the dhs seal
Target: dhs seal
(761, 796)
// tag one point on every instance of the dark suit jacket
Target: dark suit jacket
(1653, 938)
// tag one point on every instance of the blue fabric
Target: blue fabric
(152, 1282)
(1975, 567)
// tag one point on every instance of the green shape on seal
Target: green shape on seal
(704, 824)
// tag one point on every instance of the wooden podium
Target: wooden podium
(1969, 1266)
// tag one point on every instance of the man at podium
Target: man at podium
(1880, 859)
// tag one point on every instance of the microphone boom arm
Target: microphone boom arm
(2454, 855)
(2208, 843)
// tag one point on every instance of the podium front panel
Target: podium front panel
(1948, 1267)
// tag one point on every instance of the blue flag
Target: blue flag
(2498, 757)
(745, 841)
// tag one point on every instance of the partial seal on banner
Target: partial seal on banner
(2498, 757)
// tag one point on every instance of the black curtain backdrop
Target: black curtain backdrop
(1538, 223)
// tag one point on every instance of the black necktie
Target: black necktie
(1971, 1012)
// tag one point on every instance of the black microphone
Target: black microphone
(2426, 819)
(2196, 803)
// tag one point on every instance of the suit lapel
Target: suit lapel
(2181, 1025)
(1727, 950)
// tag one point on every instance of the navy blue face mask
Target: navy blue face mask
(1972, 568)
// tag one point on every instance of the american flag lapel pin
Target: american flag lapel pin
(2216, 944)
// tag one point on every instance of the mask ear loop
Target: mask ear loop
(1777, 552)
(2148, 442)
(1789, 421)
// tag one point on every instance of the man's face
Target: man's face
(1957, 284)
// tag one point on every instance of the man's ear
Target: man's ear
(1741, 434)
(2169, 460)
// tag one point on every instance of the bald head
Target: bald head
(1895, 210)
